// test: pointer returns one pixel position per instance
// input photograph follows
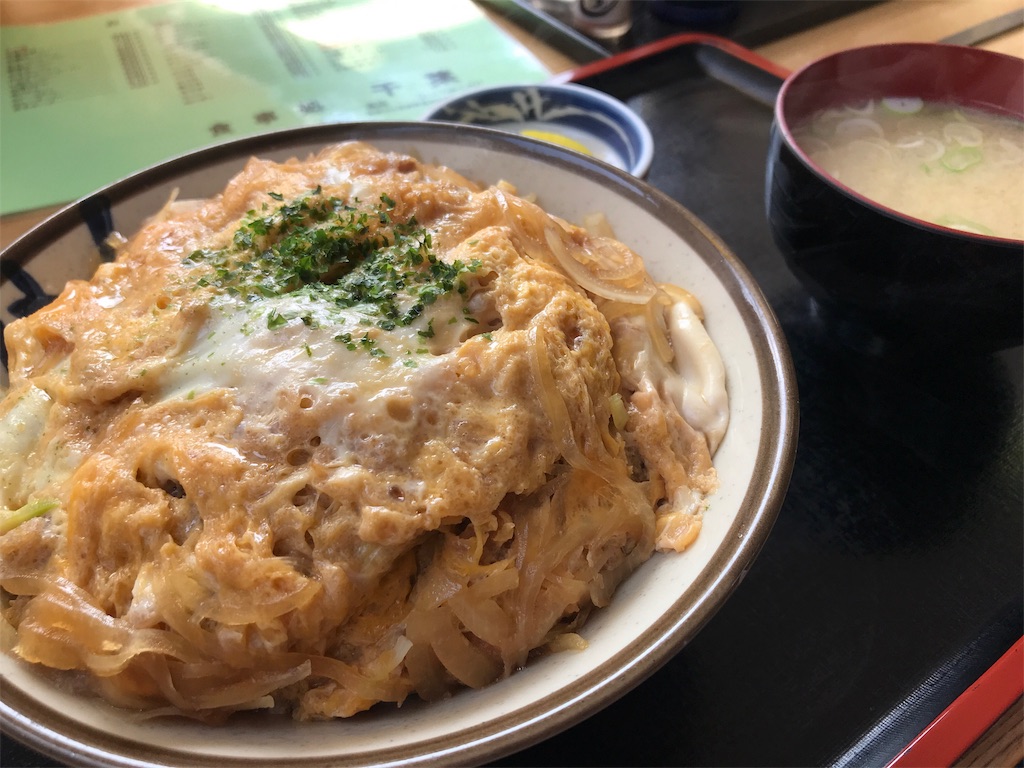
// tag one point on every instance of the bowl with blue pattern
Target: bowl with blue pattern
(579, 118)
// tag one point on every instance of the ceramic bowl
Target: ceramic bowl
(902, 278)
(655, 612)
(574, 116)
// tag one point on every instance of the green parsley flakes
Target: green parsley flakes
(335, 254)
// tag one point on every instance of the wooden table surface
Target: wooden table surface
(894, 21)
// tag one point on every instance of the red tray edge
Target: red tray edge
(673, 41)
(969, 715)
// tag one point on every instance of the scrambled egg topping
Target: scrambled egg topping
(351, 430)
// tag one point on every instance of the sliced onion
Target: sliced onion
(251, 691)
(904, 106)
(871, 151)
(145, 641)
(859, 128)
(468, 663)
(915, 125)
(1009, 153)
(813, 146)
(961, 158)
(427, 673)
(613, 310)
(349, 677)
(657, 329)
(484, 618)
(861, 108)
(603, 267)
(923, 148)
(964, 134)
(551, 400)
(232, 608)
(498, 581)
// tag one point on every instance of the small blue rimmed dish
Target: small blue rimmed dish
(573, 116)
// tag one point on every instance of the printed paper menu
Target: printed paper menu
(88, 101)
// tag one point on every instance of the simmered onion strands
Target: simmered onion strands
(469, 664)
(552, 402)
(584, 441)
(63, 629)
(924, 148)
(604, 268)
(478, 610)
(657, 328)
(248, 689)
(114, 645)
(599, 265)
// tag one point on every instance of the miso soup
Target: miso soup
(956, 167)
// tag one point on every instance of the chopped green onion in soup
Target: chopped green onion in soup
(961, 158)
(945, 164)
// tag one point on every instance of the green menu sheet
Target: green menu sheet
(86, 102)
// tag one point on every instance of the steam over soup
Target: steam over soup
(942, 163)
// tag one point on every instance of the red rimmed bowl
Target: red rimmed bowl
(901, 277)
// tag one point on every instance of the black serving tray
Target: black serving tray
(893, 577)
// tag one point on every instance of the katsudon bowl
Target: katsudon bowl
(654, 613)
(894, 191)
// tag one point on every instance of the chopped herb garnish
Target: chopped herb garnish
(338, 255)
(275, 319)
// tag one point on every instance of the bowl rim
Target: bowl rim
(611, 105)
(782, 125)
(729, 563)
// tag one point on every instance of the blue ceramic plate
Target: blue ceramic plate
(574, 116)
